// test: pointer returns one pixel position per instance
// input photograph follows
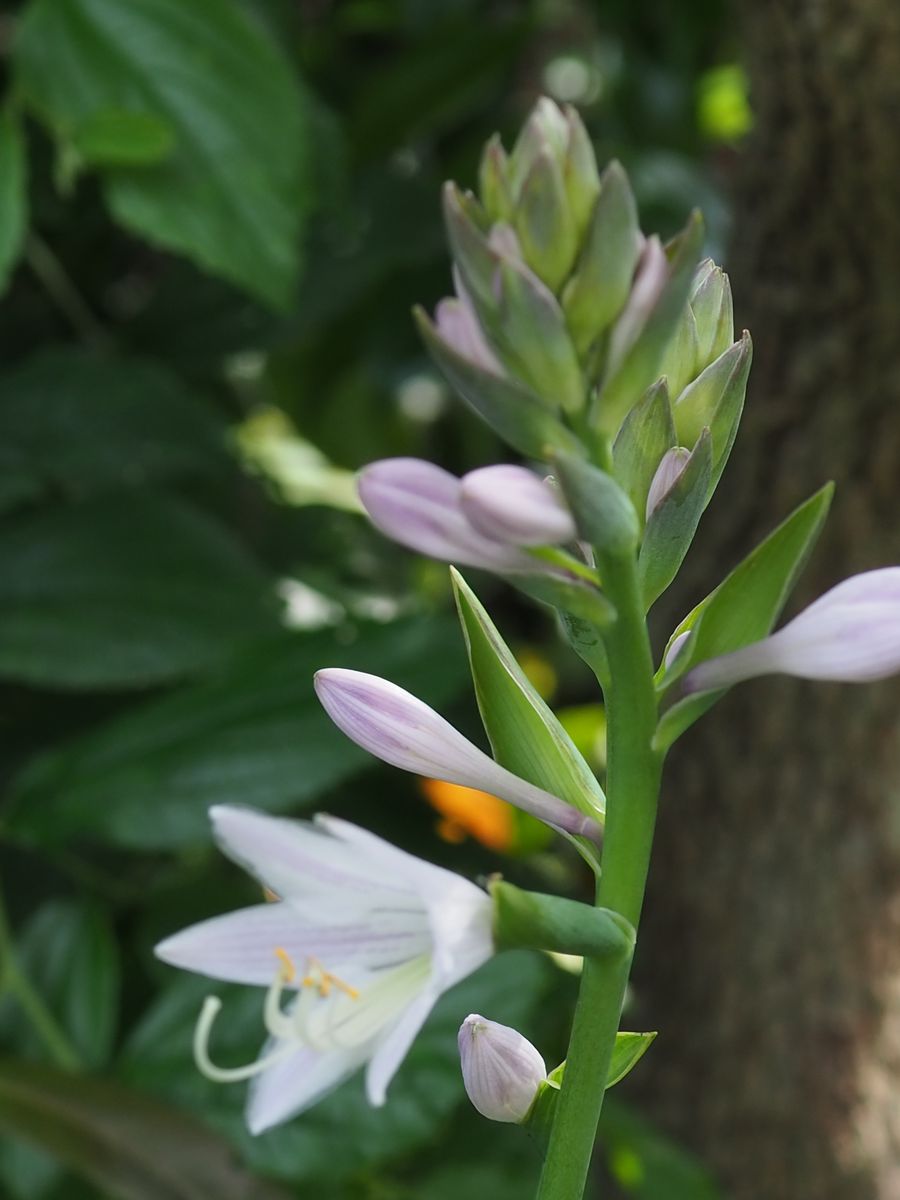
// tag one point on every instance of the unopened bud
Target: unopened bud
(544, 221)
(501, 1070)
(668, 473)
(649, 281)
(511, 504)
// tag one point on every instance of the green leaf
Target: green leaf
(124, 591)
(69, 954)
(74, 423)
(646, 434)
(13, 195)
(115, 137)
(674, 522)
(113, 1136)
(512, 410)
(229, 194)
(715, 400)
(316, 1146)
(524, 734)
(629, 1049)
(252, 734)
(742, 609)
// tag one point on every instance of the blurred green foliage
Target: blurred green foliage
(214, 218)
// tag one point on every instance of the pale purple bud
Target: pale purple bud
(458, 325)
(849, 635)
(650, 278)
(418, 504)
(401, 730)
(505, 241)
(511, 504)
(501, 1069)
(669, 471)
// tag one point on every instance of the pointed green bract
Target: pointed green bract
(512, 410)
(573, 596)
(599, 288)
(535, 921)
(641, 363)
(721, 385)
(525, 736)
(742, 609)
(646, 434)
(671, 527)
(603, 512)
(544, 222)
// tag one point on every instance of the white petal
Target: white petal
(292, 1085)
(501, 1069)
(394, 1044)
(291, 857)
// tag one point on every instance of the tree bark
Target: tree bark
(770, 957)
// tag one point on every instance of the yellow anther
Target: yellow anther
(288, 970)
(324, 981)
(271, 896)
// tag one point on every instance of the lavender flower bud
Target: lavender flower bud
(511, 504)
(501, 1070)
(669, 471)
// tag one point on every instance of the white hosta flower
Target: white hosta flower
(362, 941)
(501, 1069)
(851, 634)
(402, 730)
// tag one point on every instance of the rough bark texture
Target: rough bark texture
(771, 953)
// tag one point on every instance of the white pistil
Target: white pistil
(211, 1007)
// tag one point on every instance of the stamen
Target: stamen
(318, 977)
(208, 1014)
(288, 970)
(271, 896)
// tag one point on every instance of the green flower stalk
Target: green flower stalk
(608, 359)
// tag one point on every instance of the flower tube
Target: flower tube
(401, 730)
(362, 941)
(851, 634)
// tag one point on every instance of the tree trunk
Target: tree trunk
(770, 959)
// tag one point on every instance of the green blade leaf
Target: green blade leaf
(13, 195)
(73, 423)
(123, 591)
(742, 609)
(252, 734)
(525, 736)
(113, 1136)
(115, 137)
(229, 194)
(69, 954)
(674, 522)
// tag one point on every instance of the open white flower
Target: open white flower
(363, 937)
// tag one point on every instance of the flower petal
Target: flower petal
(851, 634)
(293, 858)
(398, 728)
(394, 1044)
(297, 1082)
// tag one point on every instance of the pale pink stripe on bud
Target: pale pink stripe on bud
(667, 475)
(501, 1070)
(401, 730)
(851, 634)
(458, 325)
(512, 504)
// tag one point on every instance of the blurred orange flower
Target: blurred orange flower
(467, 812)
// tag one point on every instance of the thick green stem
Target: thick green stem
(632, 789)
